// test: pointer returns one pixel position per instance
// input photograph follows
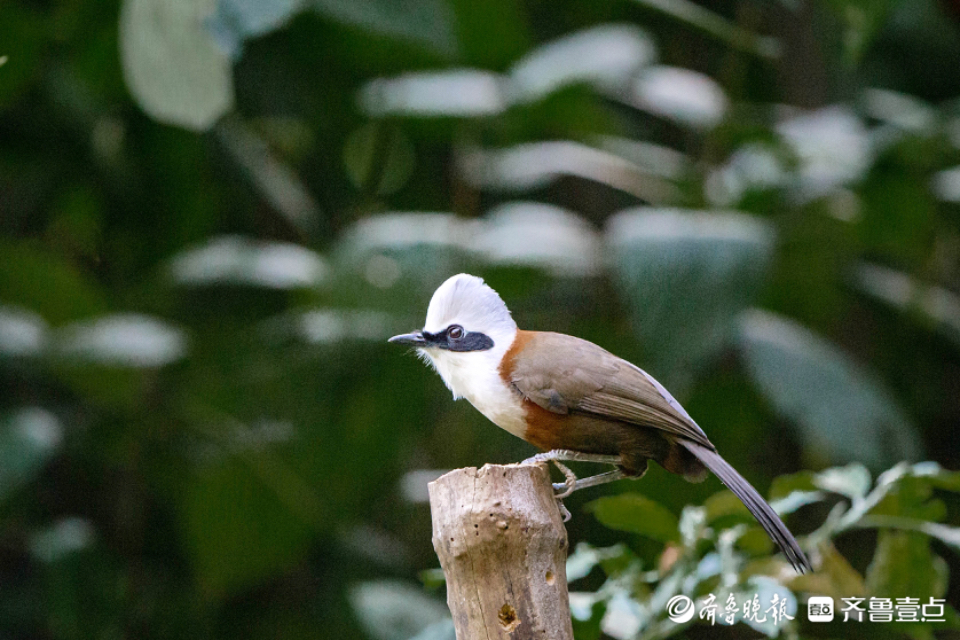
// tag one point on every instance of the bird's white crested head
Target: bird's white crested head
(467, 332)
(468, 301)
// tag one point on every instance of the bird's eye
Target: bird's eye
(455, 331)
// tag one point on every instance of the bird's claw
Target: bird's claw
(564, 512)
(569, 485)
(564, 488)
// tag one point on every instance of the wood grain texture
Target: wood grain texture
(503, 548)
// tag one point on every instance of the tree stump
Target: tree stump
(503, 549)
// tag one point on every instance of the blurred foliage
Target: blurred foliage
(213, 214)
(711, 555)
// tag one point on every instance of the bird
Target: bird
(572, 399)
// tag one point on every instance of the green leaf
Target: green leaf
(432, 579)
(378, 158)
(235, 260)
(862, 21)
(689, 98)
(22, 332)
(541, 236)
(937, 475)
(766, 588)
(277, 183)
(910, 498)
(443, 630)
(686, 276)
(411, 247)
(796, 500)
(852, 481)
(238, 529)
(843, 412)
(234, 21)
(585, 557)
(606, 55)
(755, 541)
(425, 22)
(834, 576)
(716, 26)
(535, 165)
(28, 439)
(581, 562)
(48, 284)
(904, 566)
(454, 93)
(945, 533)
(937, 307)
(22, 38)
(122, 340)
(171, 63)
(395, 610)
(635, 513)
(724, 503)
(783, 486)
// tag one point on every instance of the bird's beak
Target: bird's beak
(414, 339)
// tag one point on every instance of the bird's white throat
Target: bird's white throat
(475, 375)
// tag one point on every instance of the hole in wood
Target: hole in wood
(550, 577)
(508, 618)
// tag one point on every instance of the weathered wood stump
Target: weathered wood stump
(503, 548)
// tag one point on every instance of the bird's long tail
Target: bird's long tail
(762, 511)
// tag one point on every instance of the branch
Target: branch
(503, 549)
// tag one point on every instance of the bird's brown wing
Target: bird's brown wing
(562, 373)
(565, 375)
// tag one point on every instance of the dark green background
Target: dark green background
(242, 487)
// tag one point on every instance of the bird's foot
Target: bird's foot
(564, 512)
(564, 489)
(569, 485)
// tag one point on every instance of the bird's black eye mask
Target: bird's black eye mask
(456, 338)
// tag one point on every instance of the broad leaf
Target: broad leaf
(28, 439)
(852, 481)
(171, 63)
(394, 610)
(234, 21)
(607, 55)
(893, 572)
(239, 529)
(415, 247)
(636, 513)
(457, 93)
(686, 276)
(843, 413)
(539, 235)
(234, 260)
(425, 22)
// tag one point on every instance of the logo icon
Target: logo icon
(680, 609)
(820, 609)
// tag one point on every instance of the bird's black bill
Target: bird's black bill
(466, 341)
(414, 339)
